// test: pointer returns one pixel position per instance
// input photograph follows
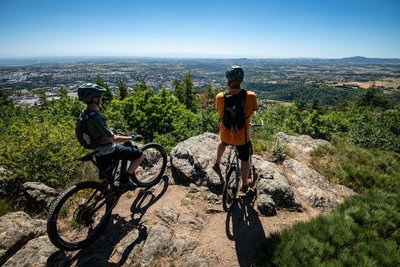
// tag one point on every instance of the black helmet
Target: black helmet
(87, 91)
(234, 73)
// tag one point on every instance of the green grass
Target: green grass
(364, 231)
(358, 168)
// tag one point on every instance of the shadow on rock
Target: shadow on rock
(244, 227)
(122, 237)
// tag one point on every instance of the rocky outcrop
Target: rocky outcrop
(174, 235)
(16, 229)
(284, 186)
(300, 146)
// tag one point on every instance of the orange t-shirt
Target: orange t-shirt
(236, 138)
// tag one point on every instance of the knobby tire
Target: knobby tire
(64, 206)
(228, 197)
(152, 167)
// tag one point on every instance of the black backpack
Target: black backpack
(234, 117)
(81, 129)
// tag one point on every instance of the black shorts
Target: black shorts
(244, 151)
(120, 152)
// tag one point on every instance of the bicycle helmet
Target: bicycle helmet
(234, 73)
(87, 91)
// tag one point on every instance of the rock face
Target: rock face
(284, 186)
(16, 229)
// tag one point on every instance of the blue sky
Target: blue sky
(207, 28)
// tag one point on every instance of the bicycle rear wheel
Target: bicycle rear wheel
(230, 190)
(79, 216)
(152, 167)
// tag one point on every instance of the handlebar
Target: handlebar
(257, 124)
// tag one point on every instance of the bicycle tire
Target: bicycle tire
(229, 197)
(152, 167)
(61, 228)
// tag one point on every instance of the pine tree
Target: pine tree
(190, 97)
(123, 90)
(107, 97)
(178, 91)
(301, 103)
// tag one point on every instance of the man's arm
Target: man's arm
(120, 139)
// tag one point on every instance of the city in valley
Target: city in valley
(268, 77)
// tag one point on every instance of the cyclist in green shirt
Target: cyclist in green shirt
(102, 139)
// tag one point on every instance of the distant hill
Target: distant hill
(356, 60)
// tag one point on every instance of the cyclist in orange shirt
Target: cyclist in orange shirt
(240, 138)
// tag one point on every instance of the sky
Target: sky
(206, 28)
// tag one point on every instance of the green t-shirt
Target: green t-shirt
(97, 129)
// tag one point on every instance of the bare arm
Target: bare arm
(120, 138)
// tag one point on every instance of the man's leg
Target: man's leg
(135, 164)
(244, 171)
(220, 152)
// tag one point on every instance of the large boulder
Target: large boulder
(38, 252)
(16, 229)
(191, 162)
(313, 187)
(39, 194)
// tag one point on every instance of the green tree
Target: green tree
(190, 96)
(41, 93)
(4, 97)
(63, 92)
(178, 91)
(373, 98)
(123, 90)
(140, 85)
(301, 102)
(108, 96)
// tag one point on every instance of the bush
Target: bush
(40, 145)
(377, 130)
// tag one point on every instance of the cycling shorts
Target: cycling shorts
(244, 151)
(120, 152)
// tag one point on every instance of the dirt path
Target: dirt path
(225, 239)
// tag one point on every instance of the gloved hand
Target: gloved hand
(137, 137)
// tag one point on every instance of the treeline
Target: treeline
(327, 95)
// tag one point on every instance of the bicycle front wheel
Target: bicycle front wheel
(152, 167)
(230, 189)
(78, 216)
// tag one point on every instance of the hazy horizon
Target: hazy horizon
(194, 29)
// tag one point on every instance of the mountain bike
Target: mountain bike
(233, 180)
(82, 212)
